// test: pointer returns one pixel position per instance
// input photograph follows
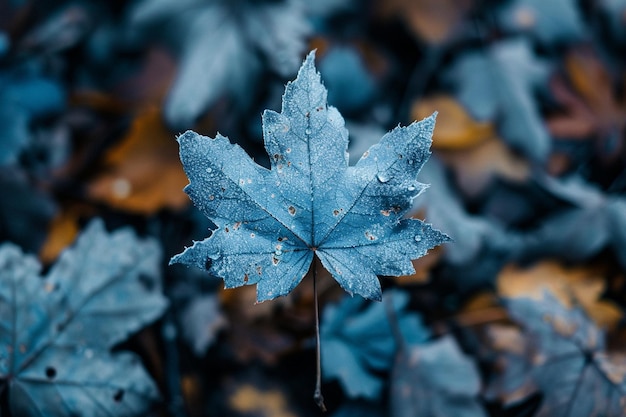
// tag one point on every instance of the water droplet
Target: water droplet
(121, 188)
(209, 169)
(418, 238)
(411, 162)
(382, 177)
(307, 131)
(411, 188)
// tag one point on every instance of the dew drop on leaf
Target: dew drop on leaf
(383, 178)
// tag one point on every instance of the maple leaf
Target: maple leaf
(56, 331)
(570, 365)
(271, 223)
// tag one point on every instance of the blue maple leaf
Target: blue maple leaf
(57, 331)
(271, 223)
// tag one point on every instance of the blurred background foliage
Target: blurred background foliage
(528, 176)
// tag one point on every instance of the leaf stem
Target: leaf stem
(317, 396)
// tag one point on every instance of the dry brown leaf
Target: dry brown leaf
(475, 168)
(456, 129)
(269, 403)
(580, 285)
(143, 173)
(431, 20)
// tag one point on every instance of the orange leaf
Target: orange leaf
(431, 20)
(455, 127)
(579, 285)
(143, 173)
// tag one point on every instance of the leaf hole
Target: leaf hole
(51, 372)
(118, 396)
(291, 210)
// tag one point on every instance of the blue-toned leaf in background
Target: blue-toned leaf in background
(25, 211)
(596, 221)
(25, 95)
(358, 341)
(481, 245)
(550, 22)
(435, 379)
(498, 84)
(271, 223)
(570, 365)
(224, 46)
(56, 331)
(615, 10)
(350, 85)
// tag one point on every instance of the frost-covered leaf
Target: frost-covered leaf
(56, 330)
(435, 379)
(224, 45)
(271, 223)
(359, 343)
(570, 366)
(554, 21)
(497, 84)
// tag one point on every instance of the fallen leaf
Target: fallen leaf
(456, 128)
(476, 168)
(434, 21)
(435, 379)
(263, 403)
(592, 109)
(143, 173)
(578, 285)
